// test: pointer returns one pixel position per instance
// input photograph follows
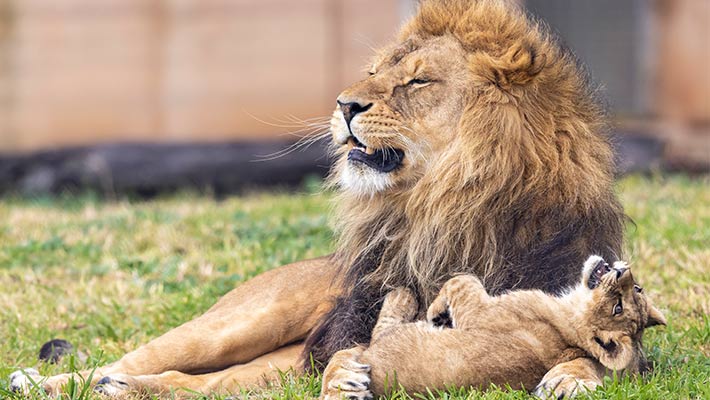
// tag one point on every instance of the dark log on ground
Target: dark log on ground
(637, 153)
(220, 168)
(145, 170)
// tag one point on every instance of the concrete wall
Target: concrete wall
(84, 71)
(76, 72)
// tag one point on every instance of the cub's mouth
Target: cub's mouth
(381, 160)
(608, 346)
(601, 269)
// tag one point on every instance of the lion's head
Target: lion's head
(473, 145)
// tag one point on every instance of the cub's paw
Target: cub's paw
(25, 380)
(438, 313)
(564, 386)
(441, 320)
(401, 304)
(346, 378)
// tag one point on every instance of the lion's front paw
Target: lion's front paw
(564, 386)
(346, 378)
(115, 385)
(25, 380)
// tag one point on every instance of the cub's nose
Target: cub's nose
(620, 271)
(351, 109)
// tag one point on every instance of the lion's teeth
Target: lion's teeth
(369, 150)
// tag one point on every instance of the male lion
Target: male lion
(512, 339)
(475, 145)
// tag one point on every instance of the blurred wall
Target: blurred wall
(86, 71)
(651, 58)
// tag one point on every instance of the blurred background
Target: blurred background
(146, 96)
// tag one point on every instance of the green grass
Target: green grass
(109, 276)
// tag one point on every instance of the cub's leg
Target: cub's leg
(345, 376)
(263, 314)
(399, 306)
(571, 378)
(457, 297)
(251, 375)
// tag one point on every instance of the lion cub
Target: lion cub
(514, 338)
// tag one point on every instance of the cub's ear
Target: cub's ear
(655, 317)
(616, 352)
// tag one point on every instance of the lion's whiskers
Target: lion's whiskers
(309, 134)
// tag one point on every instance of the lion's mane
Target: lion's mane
(521, 197)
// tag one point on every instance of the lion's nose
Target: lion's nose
(351, 109)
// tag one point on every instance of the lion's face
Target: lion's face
(617, 316)
(390, 124)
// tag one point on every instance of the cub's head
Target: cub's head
(616, 315)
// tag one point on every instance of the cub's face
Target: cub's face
(390, 125)
(618, 313)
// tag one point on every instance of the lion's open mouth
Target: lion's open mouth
(382, 160)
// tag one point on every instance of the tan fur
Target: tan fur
(505, 132)
(509, 121)
(246, 336)
(514, 338)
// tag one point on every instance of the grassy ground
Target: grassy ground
(108, 276)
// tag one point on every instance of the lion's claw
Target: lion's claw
(22, 381)
(113, 385)
(346, 378)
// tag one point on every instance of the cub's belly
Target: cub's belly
(417, 359)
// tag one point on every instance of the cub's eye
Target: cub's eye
(638, 289)
(418, 81)
(618, 308)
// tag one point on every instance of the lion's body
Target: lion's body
(516, 188)
(475, 146)
(512, 339)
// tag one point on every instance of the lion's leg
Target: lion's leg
(571, 378)
(399, 306)
(258, 372)
(263, 314)
(457, 298)
(345, 377)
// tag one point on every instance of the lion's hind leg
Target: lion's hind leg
(399, 307)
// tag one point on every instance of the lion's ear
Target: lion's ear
(517, 66)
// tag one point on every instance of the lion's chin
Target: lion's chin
(362, 180)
